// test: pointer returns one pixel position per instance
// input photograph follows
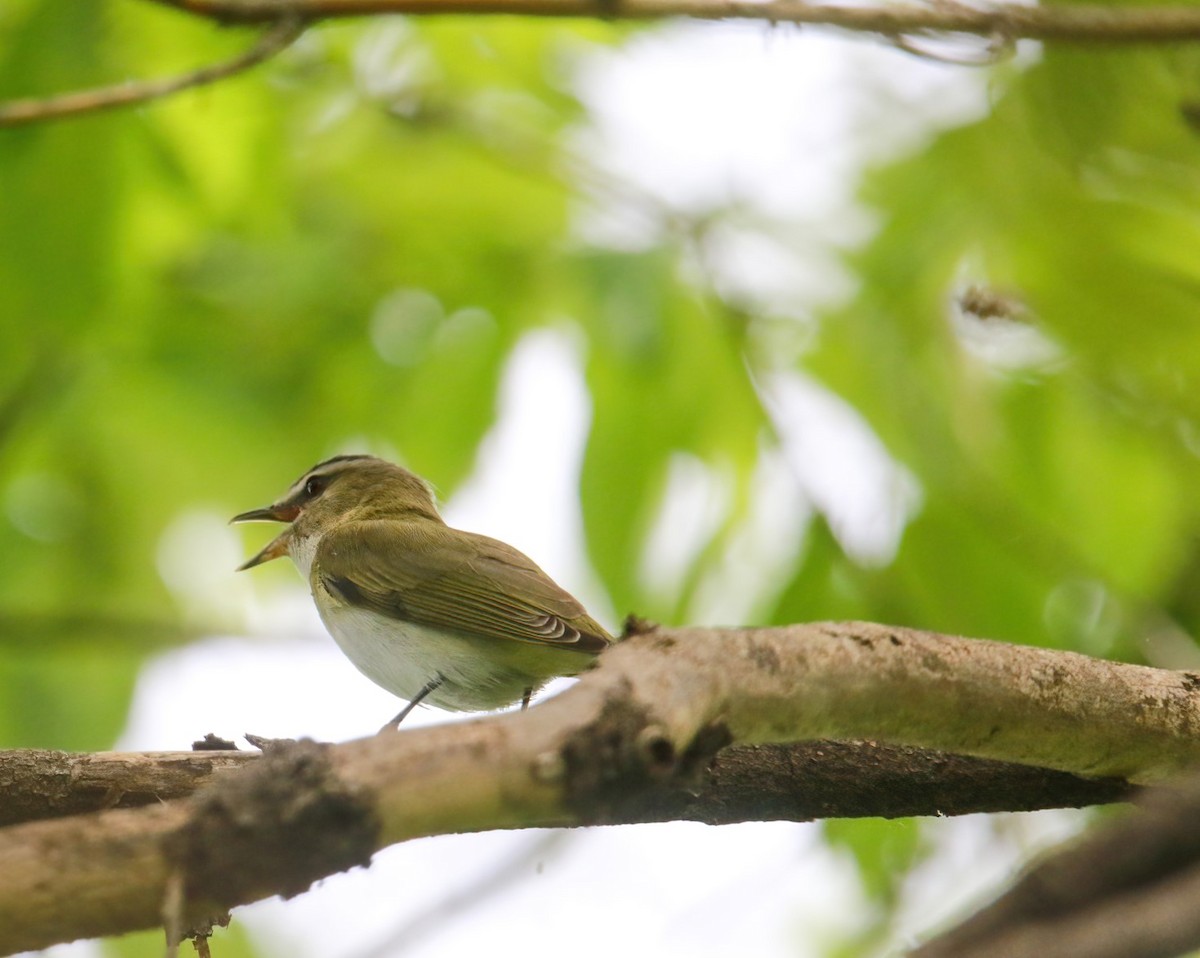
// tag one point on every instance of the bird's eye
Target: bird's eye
(314, 486)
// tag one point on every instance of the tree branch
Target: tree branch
(654, 711)
(40, 783)
(796, 782)
(1076, 23)
(904, 24)
(36, 110)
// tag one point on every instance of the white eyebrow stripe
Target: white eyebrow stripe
(322, 469)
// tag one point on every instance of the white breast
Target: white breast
(478, 673)
(402, 657)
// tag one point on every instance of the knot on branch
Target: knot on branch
(612, 763)
(277, 826)
(635, 625)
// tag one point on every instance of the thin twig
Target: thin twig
(1091, 23)
(39, 110)
(995, 50)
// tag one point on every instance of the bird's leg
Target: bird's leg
(428, 687)
(526, 697)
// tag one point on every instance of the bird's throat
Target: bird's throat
(302, 549)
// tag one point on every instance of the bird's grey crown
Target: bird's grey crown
(323, 468)
(354, 457)
(333, 467)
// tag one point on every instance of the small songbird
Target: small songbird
(430, 613)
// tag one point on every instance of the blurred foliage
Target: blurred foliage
(884, 849)
(228, 942)
(1078, 469)
(885, 852)
(201, 297)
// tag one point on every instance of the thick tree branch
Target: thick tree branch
(1076, 23)
(40, 783)
(654, 711)
(38, 110)
(796, 782)
(805, 781)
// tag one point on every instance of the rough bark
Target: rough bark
(42, 783)
(794, 781)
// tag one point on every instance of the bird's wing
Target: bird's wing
(443, 577)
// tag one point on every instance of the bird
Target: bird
(433, 614)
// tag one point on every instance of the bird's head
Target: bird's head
(337, 490)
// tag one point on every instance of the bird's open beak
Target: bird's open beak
(279, 545)
(279, 512)
(272, 550)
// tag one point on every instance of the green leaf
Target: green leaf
(666, 375)
(884, 851)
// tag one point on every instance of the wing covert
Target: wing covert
(446, 578)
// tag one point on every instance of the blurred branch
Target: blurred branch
(50, 631)
(905, 25)
(1005, 22)
(443, 914)
(651, 716)
(38, 110)
(43, 378)
(1128, 889)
